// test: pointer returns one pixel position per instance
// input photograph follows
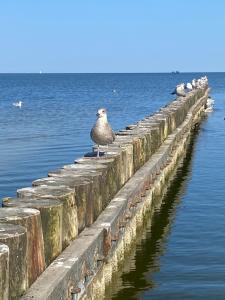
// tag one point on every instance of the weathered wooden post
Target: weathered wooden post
(31, 220)
(4, 272)
(13, 261)
(51, 219)
(67, 197)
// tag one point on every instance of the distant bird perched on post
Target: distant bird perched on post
(202, 82)
(102, 133)
(179, 90)
(193, 83)
(189, 86)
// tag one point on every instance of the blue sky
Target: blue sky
(112, 35)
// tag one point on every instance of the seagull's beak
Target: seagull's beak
(98, 114)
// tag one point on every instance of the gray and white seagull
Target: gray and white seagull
(179, 90)
(102, 133)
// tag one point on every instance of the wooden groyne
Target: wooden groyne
(63, 237)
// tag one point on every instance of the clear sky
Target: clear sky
(112, 35)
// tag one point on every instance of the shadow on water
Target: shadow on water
(136, 273)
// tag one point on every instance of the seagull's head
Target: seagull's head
(101, 113)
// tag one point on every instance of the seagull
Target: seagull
(209, 105)
(179, 90)
(102, 133)
(210, 101)
(193, 83)
(208, 109)
(18, 104)
(189, 86)
(202, 82)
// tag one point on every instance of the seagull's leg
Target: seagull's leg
(107, 148)
(98, 150)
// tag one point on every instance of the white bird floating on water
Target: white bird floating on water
(18, 104)
(102, 133)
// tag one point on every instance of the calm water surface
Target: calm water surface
(52, 127)
(181, 255)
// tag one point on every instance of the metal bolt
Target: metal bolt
(132, 205)
(100, 258)
(127, 216)
(147, 185)
(75, 290)
(122, 224)
(138, 201)
(89, 273)
(115, 238)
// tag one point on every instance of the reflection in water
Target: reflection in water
(136, 273)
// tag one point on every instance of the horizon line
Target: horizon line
(163, 72)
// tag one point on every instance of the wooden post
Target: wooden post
(51, 219)
(31, 220)
(67, 197)
(4, 272)
(13, 261)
